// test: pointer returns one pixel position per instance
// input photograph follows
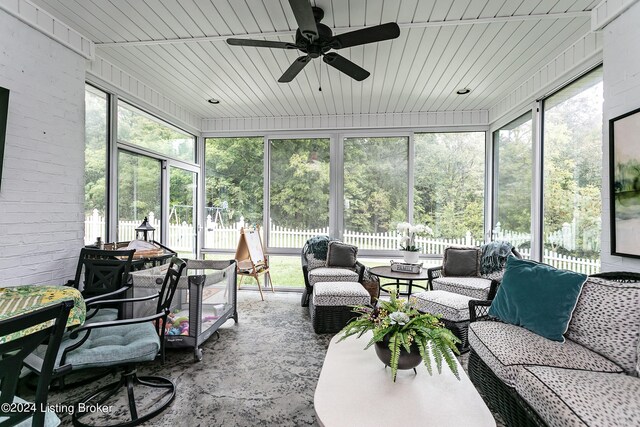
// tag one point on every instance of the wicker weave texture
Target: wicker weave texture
(460, 330)
(499, 397)
(329, 319)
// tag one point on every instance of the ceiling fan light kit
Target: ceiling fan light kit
(315, 39)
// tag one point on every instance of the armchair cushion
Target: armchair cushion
(473, 287)
(461, 262)
(450, 306)
(506, 349)
(327, 274)
(566, 397)
(341, 255)
(537, 297)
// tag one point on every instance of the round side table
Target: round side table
(401, 279)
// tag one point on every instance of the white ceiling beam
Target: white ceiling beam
(408, 25)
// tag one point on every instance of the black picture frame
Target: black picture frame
(4, 113)
(624, 184)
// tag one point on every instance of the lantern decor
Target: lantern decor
(143, 231)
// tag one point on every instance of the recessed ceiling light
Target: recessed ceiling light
(464, 91)
(213, 101)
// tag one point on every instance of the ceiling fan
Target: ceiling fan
(316, 39)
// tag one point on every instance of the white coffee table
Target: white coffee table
(355, 389)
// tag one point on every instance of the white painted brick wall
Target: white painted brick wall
(621, 53)
(42, 191)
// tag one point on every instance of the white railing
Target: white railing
(181, 239)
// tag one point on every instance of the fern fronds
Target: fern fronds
(394, 346)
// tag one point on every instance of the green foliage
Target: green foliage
(95, 153)
(405, 325)
(234, 174)
(375, 183)
(449, 183)
(573, 164)
(514, 163)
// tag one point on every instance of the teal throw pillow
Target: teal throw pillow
(537, 297)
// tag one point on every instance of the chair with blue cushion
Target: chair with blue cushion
(123, 344)
(15, 351)
(103, 274)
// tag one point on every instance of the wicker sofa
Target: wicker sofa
(589, 380)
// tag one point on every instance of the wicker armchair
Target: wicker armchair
(314, 271)
(492, 281)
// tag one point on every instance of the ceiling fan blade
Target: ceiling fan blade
(294, 69)
(341, 63)
(374, 34)
(305, 19)
(261, 43)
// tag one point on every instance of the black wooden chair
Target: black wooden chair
(123, 344)
(102, 274)
(13, 354)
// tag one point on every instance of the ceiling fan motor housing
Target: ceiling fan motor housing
(317, 47)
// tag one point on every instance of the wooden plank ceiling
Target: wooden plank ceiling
(419, 71)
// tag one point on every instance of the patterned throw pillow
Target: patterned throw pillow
(461, 262)
(537, 297)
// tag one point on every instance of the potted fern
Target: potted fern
(403, 336)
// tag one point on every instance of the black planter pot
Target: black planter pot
(406, 361)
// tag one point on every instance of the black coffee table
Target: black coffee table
(401, 279)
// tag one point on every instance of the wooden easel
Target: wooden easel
(250, 258)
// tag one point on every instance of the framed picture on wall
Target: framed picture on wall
(624, 176)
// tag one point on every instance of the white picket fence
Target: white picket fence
(181, 238)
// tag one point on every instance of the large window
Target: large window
(299, 190)
(95, 155)
(143, 130)
(375, 190)
(513, 162)
(139, 194)
(572, 172)
(234, 187)
(449, 188)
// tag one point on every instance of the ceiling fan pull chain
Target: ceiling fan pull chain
(320, 79)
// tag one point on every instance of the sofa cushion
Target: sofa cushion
(538, 297)
(342, 255)
(607, 320)
(473, 287)
(567, 397)
(507, 348)
(450, 306)
(461, 262)
(326, 274)
(340, 293)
